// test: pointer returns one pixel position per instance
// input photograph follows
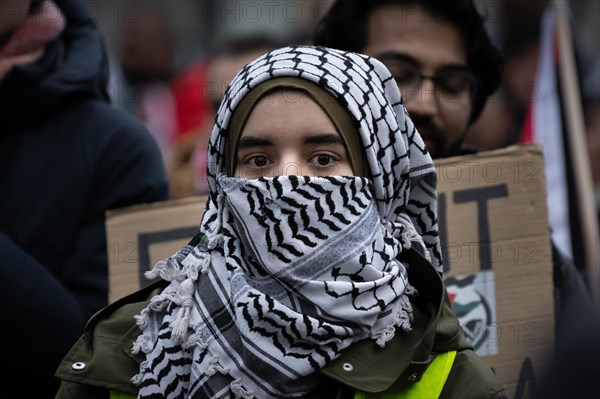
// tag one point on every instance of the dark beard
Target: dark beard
(429, 131)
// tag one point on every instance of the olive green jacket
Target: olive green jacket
(102, 360)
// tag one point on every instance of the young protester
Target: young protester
(316, 271)
(66, 157)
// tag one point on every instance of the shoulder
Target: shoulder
(101, 359)
(100, 116)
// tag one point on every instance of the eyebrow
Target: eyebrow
(249, 141)
(393, 55)
(326, 138)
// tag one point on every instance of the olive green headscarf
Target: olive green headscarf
(338, 115)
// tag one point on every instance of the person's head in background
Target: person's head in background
(26, 26)
(147, 47)
(13, 13)
(438, 51)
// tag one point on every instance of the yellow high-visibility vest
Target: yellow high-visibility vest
(431, 384)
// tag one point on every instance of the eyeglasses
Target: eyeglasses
(453, 84)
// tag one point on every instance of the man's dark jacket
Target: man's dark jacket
(66, 156)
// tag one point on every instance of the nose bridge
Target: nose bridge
(424, 102)
(290, 163)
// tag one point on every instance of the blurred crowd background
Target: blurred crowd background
(171, 61)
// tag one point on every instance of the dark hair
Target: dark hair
(483, 59)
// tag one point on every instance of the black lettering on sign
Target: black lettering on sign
(481, 195)
(443, 230)
(527, 378)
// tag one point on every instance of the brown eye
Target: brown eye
(323, 160)
(455, 82)
(258, 161)
(406, 75)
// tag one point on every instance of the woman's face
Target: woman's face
(287, 133)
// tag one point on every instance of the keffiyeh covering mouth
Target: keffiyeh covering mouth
(291, 270)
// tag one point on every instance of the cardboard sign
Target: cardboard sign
(498, 259)
(141, 235)
(496, 243)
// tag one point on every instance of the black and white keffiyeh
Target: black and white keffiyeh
(292, 270)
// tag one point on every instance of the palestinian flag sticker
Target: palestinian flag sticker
(473, 300)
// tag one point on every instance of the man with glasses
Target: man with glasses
(438, 52)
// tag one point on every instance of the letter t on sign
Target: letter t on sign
(481, 195)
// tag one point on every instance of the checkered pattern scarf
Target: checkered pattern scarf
(291, 270)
